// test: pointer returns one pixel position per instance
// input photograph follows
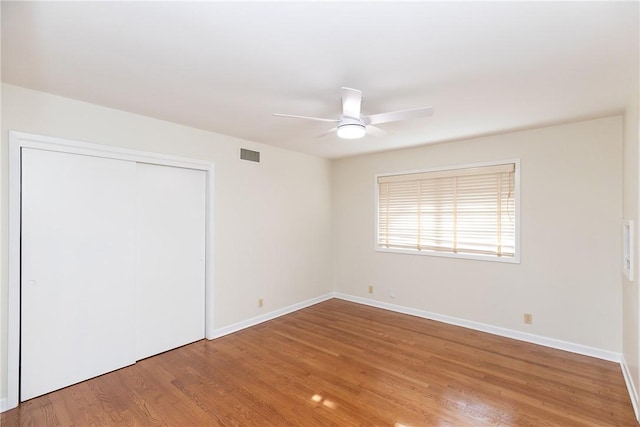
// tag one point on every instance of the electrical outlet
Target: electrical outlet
(528, 318)
(260, 302)
(370, 289)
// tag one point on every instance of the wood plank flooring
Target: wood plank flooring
(343, 364)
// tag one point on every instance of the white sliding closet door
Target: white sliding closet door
(78, 268)
(170, 260)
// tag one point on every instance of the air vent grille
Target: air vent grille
(252, 156)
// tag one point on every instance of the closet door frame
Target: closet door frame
(18, 140)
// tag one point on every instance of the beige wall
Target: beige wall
(272, 220)
(630, 294)
(571, 210)
(274, 232)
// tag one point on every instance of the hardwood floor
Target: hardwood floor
(344, 364)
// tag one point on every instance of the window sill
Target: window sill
(476, 257)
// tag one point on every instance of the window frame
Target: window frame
(478, 257)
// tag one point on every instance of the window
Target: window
(467, 212)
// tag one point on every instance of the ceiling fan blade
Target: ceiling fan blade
(330, 131)
(396, 116)
(376, 131)
(318, 119)
(351, 102)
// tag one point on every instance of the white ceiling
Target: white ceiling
(485, 67)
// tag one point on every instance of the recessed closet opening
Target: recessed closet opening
(110, 259)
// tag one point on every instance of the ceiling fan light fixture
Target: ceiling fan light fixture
(353, 125)
(351, 131)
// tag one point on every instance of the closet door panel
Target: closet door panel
(170, 258)
(78, 268)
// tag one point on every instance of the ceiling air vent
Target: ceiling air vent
(252, 156)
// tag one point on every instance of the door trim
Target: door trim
(17, 140)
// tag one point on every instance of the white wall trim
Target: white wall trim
(17, 140)
(631, 388)
(209, 269)
(270, 316)
(509, 333)
(13, 298)
(50, 143)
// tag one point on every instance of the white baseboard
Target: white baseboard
(631, 388)
(509, 333)
(226, 330)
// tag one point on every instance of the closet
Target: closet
(112, 264)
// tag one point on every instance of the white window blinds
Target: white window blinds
(462, 211)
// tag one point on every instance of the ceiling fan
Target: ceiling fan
(352, 124)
